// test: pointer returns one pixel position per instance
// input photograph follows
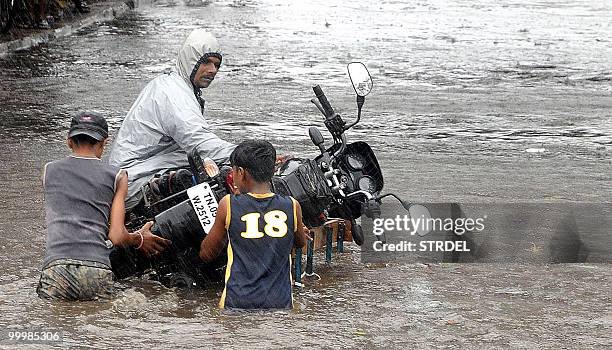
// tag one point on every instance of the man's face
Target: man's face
(206, 72)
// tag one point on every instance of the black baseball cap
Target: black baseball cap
(90, 124)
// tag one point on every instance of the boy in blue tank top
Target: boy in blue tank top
(84, 203)
(260, 228)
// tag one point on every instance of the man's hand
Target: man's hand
(280, 160)
(152, 245)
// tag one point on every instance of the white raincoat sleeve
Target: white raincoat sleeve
(189, 129)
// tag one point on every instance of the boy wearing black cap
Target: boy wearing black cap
(82, 195)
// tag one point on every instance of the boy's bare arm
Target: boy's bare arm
(144, 239)
(302, 233)
(214, 241)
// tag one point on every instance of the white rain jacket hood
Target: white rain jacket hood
(167, 121)
(198, 46)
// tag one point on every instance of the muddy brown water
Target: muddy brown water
(473, 101)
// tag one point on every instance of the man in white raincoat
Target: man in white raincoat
(167, 120)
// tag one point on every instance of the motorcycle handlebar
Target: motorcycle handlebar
(329, 111)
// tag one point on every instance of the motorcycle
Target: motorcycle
(343, 182)
(7, 13)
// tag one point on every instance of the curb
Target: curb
(116, 10)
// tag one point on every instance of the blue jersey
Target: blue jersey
(260, 229)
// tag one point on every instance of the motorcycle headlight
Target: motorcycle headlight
(366, 183)
(355, 161)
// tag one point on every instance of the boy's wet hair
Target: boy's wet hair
(83, 140)
(257, 157)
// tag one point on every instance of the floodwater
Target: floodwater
(473, 101)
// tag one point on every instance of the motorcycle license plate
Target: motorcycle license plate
(204, 203)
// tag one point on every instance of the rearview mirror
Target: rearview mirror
(360, 77)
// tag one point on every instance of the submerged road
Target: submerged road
(476, 102)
